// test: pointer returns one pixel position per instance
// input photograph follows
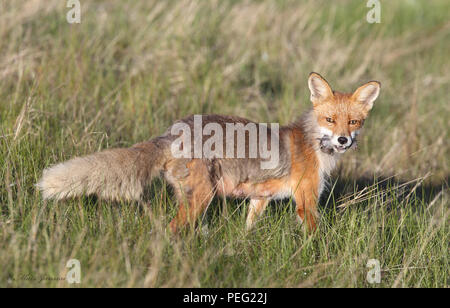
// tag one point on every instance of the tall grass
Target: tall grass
(133, 67)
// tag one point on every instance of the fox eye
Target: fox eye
(353, 122)
(329, 120)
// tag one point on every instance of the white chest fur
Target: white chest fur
(327, 163)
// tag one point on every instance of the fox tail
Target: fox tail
(114, 174)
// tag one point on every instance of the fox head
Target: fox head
(340, 116)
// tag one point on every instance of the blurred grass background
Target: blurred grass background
(131, 68)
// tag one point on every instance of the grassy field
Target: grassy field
(131, 68)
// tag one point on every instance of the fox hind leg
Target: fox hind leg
(194, 194)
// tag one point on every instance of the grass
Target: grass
(131, 68)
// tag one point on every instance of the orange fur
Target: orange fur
(309, 150)
(343, 114)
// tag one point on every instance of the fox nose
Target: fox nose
(342, 140)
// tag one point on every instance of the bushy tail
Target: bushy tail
(114, 174)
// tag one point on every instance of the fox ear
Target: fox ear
(319, 87)
(367, 94)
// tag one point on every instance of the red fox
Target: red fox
(307, 151)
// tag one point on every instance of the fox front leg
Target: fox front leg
(306, 206)
(256, 208)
